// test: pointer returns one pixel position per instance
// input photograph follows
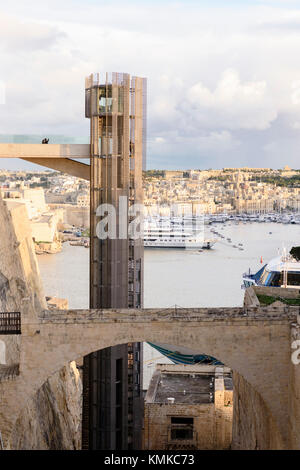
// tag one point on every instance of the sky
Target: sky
(223, 75)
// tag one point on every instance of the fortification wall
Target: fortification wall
(51, 420)
(253, 427)
(74, 215)
(19, 273)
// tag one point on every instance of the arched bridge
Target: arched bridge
(255, 343)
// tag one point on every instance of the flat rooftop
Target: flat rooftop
(185, 388)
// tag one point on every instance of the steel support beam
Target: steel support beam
(65, 165)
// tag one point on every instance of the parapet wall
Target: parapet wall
(287, 293)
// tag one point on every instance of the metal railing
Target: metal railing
(10, 323)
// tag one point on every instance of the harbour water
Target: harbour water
(211, 278)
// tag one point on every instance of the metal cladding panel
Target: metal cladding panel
(118, 107)
(144, 124)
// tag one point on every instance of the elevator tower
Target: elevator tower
(115, 103)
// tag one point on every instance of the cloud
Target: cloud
(219, 80)
(232, 105)
(2, 92)
(19, 36)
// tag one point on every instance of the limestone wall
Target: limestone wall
(212, 422)
(19, 273)
(52, 418)
(288, 293)
(74, 215)
(253, 426)
(294, 392)
(157, 421)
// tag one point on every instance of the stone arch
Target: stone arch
(238, 348)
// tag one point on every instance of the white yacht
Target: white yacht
(175, 237)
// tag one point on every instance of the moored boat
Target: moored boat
(282, 271)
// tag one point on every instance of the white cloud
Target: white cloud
(213, 73)
(295, 93)
(17, 35)
(232, 105)
(2, 92)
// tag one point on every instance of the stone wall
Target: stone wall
(51, 418)
(212, 422)
(19, 273)
(74, 215)
(157, 421)
(294, 391)
(287, 293)
(253, 426)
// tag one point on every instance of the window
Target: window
(105, 100)
(119, 172)
(105, 105)
(276, 279)
(293, 279)
(182, 428)
(119, 370)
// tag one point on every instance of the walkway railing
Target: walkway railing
(10, 323)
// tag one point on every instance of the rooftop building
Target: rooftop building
(189, 407)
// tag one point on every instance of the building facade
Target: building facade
(189, 408)
(112, 396)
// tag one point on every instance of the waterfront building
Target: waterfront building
(112, 378)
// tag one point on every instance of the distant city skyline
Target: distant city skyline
(223, 77)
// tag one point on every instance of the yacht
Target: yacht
(161, 237)
(282, 271)
(175, 234)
